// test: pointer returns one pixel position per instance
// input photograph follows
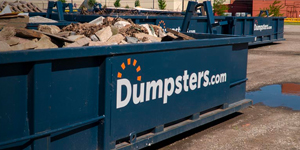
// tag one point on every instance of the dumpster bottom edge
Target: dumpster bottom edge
(148, 140)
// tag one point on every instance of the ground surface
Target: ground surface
(257, 127)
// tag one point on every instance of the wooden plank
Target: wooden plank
(17, 22)
(185, 37)
(55, 36)
(22, 32)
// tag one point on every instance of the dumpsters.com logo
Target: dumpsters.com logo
(261, 27)
(161, 88)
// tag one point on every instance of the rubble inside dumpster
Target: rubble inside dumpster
(99, 32)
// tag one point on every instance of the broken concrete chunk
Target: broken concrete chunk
(52, 29)
(12, 41)
(131, 39)
(116, 38)
(45, 43)
(114, 30)
(21, 40)
(104, 34)
(123, 42)
(151, 32)
(121, 24)
(4, 46)
(97, 21)
(161, 33)
(109, 19)
(6, 33)
(72, 33)
(97, 43)
(141, 36)
(94, 38)
(81, 42)
(25, 46)
(75, 37)
(35, 40)
(63, 34)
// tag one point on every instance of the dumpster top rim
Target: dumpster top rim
(112, 50)
(135, 16)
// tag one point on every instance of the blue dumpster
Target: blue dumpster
(121, 96)
(266, 29)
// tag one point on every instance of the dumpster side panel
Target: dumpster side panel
(75, 90)
(238, 72)
(13, 101)
(182, 77)
(52, 104)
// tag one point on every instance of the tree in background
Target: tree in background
(117, 3)
(92, 3)
(162, 4)
(137, 3)
(274, 9)
(219, 7)
(62, 1)
(127, 6)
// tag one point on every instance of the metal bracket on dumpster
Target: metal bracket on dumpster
(99, 7)
(192, 8)
(132, 137)
(61, 7)
(264, 11)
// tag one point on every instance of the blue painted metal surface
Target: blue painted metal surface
(192, 9)
(104, 97)
(266, 30)
(263, 11)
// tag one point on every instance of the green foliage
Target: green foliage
(117, 3)
(219, 7)
(126, 6)
(162, 4)
(274, 9)
(91, 3)
(104, 7)
(62, 1)
(137, 3)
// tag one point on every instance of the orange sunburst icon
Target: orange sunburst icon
(134, 63)
(162, 24)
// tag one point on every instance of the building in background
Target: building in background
(291, 9)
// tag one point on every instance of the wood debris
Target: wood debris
(184, 36)
(109, 31)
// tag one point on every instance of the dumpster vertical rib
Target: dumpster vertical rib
(40, 103)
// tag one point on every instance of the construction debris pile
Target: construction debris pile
(19, 6)
(99, 32)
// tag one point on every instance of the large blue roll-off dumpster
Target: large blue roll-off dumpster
(266, 29)
(121, 96)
